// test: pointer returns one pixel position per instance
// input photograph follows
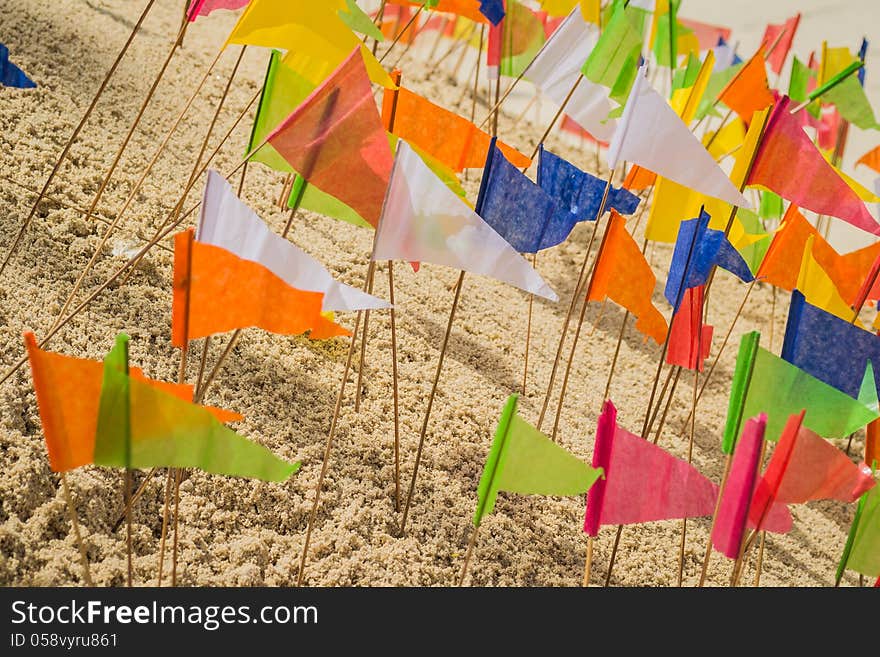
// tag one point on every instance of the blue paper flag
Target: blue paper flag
(829, 348)
(863, 51)
(10, 74)
(493, 10)
(698, 249)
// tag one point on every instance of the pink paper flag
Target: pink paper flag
(777, 58)
(335, 140)
(643, 482)
(205, 7)
(686, 339)
(807, 467)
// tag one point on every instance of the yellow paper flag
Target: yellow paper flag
(818, 288)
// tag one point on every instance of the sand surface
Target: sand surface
(237, 532)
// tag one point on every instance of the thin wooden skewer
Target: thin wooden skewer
(74, 522)
(677, 370)
(529, 332)
(17, 241)
(134, 498)
(728, 462)
(402, 32)
(467, 556)
(588, 564)
(556, 118)
(395, 387)
(371, 272)
(424, 432)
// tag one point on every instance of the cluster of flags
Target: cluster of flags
(393, 168)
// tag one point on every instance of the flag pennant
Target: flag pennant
(864, 555)
(642, 482)
(871, 159)
(749, 91)
(765, 383)
(523, 460)
(818, 288)
(829, 348)
(68, 390)
(444, 135)
(10, 74)
(849, 97)
(335, 140)
(689, 336)
(780, 267)
(217, 291)
(623, 275)
(726, 57)
(614, 61)
(707, 35)
(719, 79)
(653, 136)
(514, 41)
(556, 70)
(801, 82)
(815, 186)
(782, 36)
(698, 250)
(469, 9)
(872, 444)
(493, 10)
(228, 223)
(140, 426)
(804, 467)
(312, 30)
(204, 7)
(358, 20)
(423, 221)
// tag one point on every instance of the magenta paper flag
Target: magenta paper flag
(737, 494)
(205, 7)
(805, 467)
(643, 482)
(335, 140)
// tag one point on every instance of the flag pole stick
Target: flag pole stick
(126, 481)
(588, 564)
(677, 371)
(380, 15)
(459, 43)
(461, 57)
(467, 556)
(99, 248)
(529, 331)
(74, 523)
(760, 562)
(55, 168)
(424, 431)
(402, 32)
(439, 38)
(695, 399)
(395, 388)
(371, 271)
(166, 514)
(556, 117)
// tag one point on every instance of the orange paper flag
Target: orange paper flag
(68, 394)
(871, 159)
(749, 90)
(872, 445)
(216, 291)
(689, 336)
(782, 262)
(639, 179)
(467, 8)
(446, 136)
(624, 276)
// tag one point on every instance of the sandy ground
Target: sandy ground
(237, 532)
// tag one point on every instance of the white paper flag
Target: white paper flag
(424, 221)
(653, 136)
(556, 69)
(227, 222)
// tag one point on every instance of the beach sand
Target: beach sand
(241, 533)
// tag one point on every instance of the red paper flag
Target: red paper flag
(780, 51)
(335, 140)
(686, 340)
(790, 165)
(643, 482)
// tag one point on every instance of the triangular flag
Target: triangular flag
(68, 390)
(204, 7)
(311, 29)
(469, 9)
(614, 60)
(140, 426)
(871, 159)
(514, 42)
(557, 67)
(444, 135)
(653, 136)
(707, 35)
(864, 556)
(806, 467)
(818, 288)
(850, 99)
(493, 10)
(698, 250)
(227, 222)
(749, 91)
(829, 348)
(782, 36)
(335, 140)
(643, 482)
(523, 460)
(790, 165)
(216, 291)
(423, 221)
(623, 275)
(10, 74)
(689, 337)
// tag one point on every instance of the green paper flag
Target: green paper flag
(524, 460)
(801, 74)
(754, 253)
(852, 103)
(864, 553)
(140, 426)
(358, 21)
(685, 78)
(667, 36)
(771, 206)
(614, 61)
(765, 383)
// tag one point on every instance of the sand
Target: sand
(242, 533)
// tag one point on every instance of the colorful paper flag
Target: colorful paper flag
(335, 140)
(782, 36)
(623, 275)
(818, 288)
(689, 337)
(614, 61)
(140, 426)
(523, 460)
(653, 136)
(749, 91)
(204, 7)
(643, 482)
(864, 556)
(871, 159)
(813, 184)
(513, 42)
(216, 291)
(228, 223)
(10, 74)
(423, 221)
